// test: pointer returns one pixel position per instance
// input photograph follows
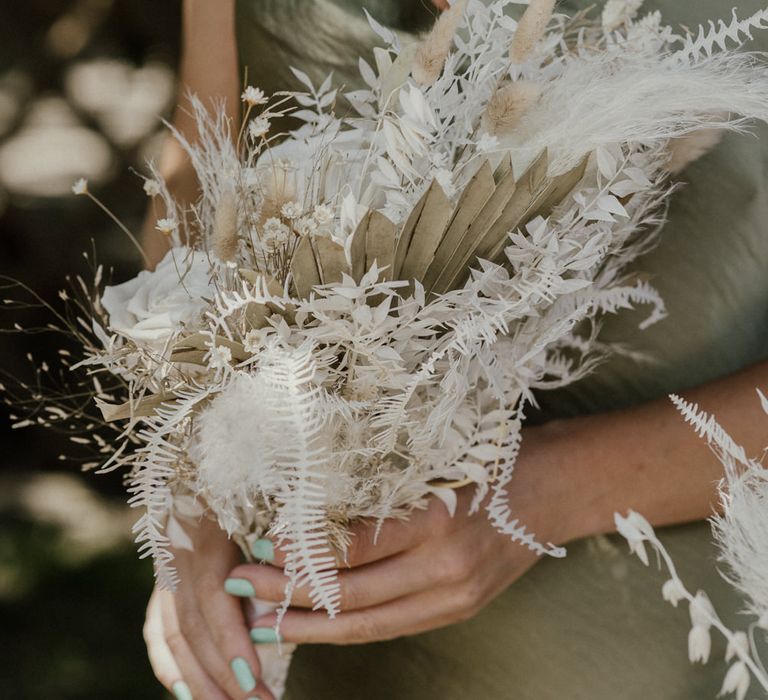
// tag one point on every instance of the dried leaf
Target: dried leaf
(457, 268)
(380, 243)
(138, 409)
(332, 260)
(304, 268)
(471, 201)
(427, 234)
(404, 239)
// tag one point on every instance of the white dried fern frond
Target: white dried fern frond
(155, 465)
(741, 531)
(718, 36)
(296, 407)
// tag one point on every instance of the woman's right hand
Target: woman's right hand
(197, 638)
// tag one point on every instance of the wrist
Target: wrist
(574, 488)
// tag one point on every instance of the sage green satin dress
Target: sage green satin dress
(592, 626)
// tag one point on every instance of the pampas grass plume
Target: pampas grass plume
(431, 54)
(508, 105)
(530, 29)
(225, 227)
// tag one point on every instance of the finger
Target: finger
(372, 541)
(227, 625)
(424, 611)
(361, 587)
(160, 658)
(171, 658)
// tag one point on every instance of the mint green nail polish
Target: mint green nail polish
(264, 635)
(240, 587)
(181, 691)
(263, 550)
(243, 673)
(253, 697)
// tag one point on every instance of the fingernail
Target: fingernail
(181, 691)
(253, 697)
(264, 635)
(263, 550)
(240, 587)
(243, 673)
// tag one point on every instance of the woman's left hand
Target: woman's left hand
(427, 572)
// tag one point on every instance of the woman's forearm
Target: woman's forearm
(647, 458)
(209, 70)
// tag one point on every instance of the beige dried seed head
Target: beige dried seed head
(431, 54)
(225, 227)
(530, 29)
(508, 105)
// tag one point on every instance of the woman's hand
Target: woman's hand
(197, 637)
(427, 572)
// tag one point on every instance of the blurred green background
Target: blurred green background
(83, 85)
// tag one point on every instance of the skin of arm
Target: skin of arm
(209, 69)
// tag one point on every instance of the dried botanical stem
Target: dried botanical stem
(122, 227)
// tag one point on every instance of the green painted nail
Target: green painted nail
(240, 587)
(253, 697)
(264, 635)
(243, 673)
(263, 550)
(181, 691)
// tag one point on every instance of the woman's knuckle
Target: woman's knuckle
(349, 596)
(175, 641)
(469, 598)
(208, 583)
(365, 629)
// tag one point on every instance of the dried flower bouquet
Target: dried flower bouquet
(354, 316)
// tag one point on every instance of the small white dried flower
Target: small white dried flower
(699, 644)
(254, 96)
(306, 226)
(736, 681)
(738, 645)
(152, 187)
(291, 210)
(80, 187)
(167, 226)
(701, 611)
(274, 233)
(255, 340)
(487, 142)
(323, 214)
(259, 127)
(618, 12)
(220, 357)
(635, 529)
(673, 592)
